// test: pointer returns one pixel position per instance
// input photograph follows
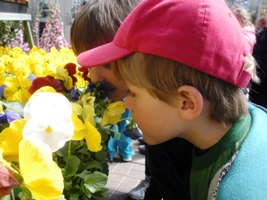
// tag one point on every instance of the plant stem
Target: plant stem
(15, 167)
(69, 149)
(12, 195)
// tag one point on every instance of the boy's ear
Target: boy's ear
(190, 102)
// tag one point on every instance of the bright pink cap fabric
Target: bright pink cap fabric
(203, 34)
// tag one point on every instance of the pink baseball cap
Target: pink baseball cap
(203, 34)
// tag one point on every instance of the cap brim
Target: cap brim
(102, 55)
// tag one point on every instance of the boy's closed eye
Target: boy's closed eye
(130, 93)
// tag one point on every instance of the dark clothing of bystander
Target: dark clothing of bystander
(258, 92)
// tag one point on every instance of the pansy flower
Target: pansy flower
(113, 113)
(41, 175)
(10, 138)
(17, 89)
(71, 68)
(92, 137)
(9, 116)
(85, 73)
(46, 81)
(48, 116)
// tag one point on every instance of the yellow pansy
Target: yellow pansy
(36, 61)
(45, 89)
(40, 173)
(88, 108)
(77, 108)
(10, 138)
(4, 162)
(2, 73)
(17, 89)
(113, 113)
(79, 128)
(62, 74)
(81, 83)
(92, 137)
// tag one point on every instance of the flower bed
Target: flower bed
(54, 127)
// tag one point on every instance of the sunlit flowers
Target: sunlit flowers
(48, 116)
(54, 126)
(17, 89)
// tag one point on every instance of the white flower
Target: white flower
(48, 116)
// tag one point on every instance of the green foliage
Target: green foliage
(85, 173)
(25, 194)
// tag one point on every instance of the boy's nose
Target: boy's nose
(95, 75)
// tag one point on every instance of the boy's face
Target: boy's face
(158, 120)
(118, 88)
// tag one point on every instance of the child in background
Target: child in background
(108, 15)
(186, 73)
(244, 18)
(260, 24)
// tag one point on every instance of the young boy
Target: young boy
(185, 64)
(95, 25)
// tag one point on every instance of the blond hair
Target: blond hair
(242, 15)
(161, 77)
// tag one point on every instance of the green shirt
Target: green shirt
(209, 166)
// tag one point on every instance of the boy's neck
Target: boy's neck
(207, 134)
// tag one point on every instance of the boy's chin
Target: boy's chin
(150, 141)
(116, 96)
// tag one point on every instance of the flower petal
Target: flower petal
(92, 137)
(113, 113)
(10, 138)
(49, 120)
(40, 173)
(79, 128)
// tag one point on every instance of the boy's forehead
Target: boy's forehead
(203, 34)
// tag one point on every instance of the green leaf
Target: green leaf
(101, 156)
(84, 174)
(67, 184)
(94, 165)
(96, 181)
(25, 194)
(72, 166)
(101, 193)
(76, 145)
(16, 106)
(63, 152)
(74, 196)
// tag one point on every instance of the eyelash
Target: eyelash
(130, 93)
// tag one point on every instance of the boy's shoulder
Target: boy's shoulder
(247, 177)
